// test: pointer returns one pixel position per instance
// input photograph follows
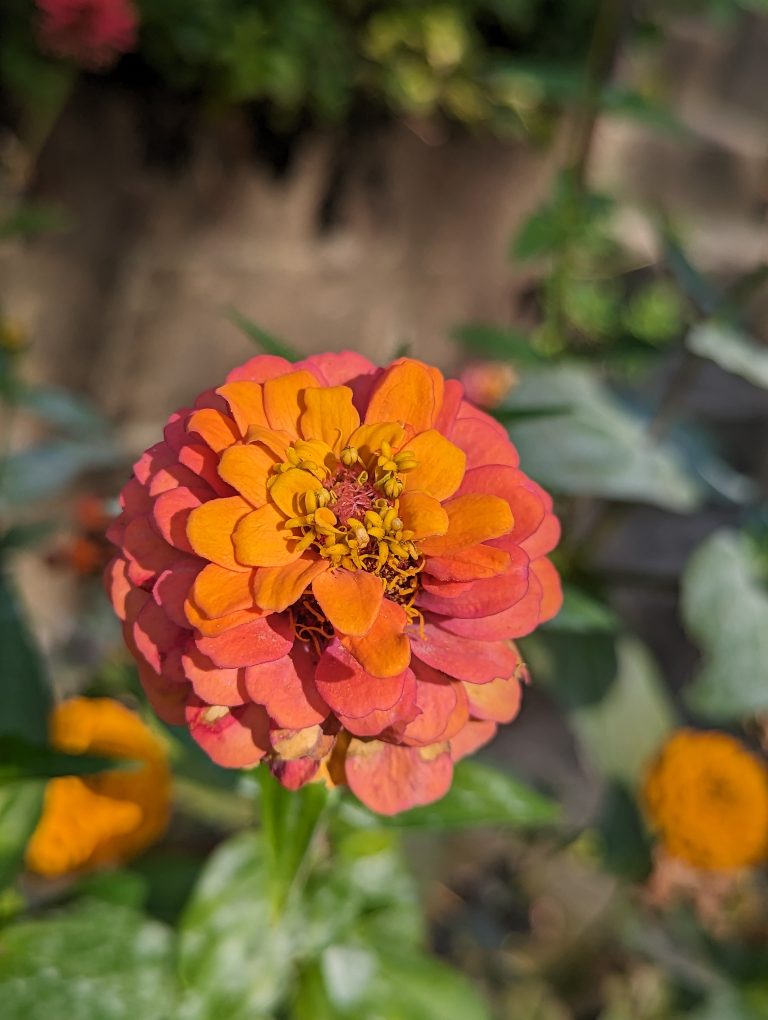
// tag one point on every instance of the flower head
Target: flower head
(322, 565)
(707, 796)
(93, 820)
(93, 33)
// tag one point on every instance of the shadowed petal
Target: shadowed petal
(389, 779)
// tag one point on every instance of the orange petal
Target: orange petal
(469, 565)
(217, 592)
(276, 588)
(351, 599)
(330, 416)
(368, 438)
(284, 399)
(410, 393)
(261, 540)
(276, 441)
(288, 486)
(212, 628)
(215, 428)
(389, 779)
(497, 701)
(473, 518)
(385, 650)
(246, 469)
(246, 404)
(422, 515)
(210, 527)
(440, 468)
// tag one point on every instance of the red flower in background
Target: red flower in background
(322, 565)
(93, 33)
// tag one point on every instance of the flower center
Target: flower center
(352, 517)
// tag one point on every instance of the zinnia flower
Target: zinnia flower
(93, 33)
(109, 817)
(322, 565)
(707, 796)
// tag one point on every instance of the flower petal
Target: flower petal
(394, 720)
(261, 540)
(233, 737)
(289, 487)
(423, 515)
(479, 662)
(368, 438)
(443, 705)
(330, 416)
(246, 468)
(471, 738)
(171, 514)
(474, 599)
(516, 621)
(171, 589)
(472, 519)
(469, 565)
(276, 588)
(217, 592)
(498, 701)
(349, 689)
(246, 404)
(385, 650)
(351, 599)
(408, 392)
(483, 444)
(389, 779)
(284, 399)
(149, 554)
(210, 528)
(262, 640)
(216, 429)
(213, 685)
(440, 466)
(286, 688)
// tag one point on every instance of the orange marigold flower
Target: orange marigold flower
(707, 796)
(109, 817)
(322, 565)
(487, 383)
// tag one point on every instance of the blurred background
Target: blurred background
(562, 202)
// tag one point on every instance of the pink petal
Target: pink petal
(262, 640)
(349, 690)
(232, 737)
(443, 705)
(519, 620)
(149, 554)
(393, 719)
(499, 701)
(389, 778)
(286, 687)
(471, 738)
(171, 512)
(211, 684)
(463, 658)
(479, 598)
(172, 587)
(260, 368)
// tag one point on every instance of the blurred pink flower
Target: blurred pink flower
(487, 383)
(93, 33)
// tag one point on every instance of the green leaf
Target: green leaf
(601, 448)
(622, 732)
(22, 536)
(20, 807)
(497, 342)
(99, 961)
(60, 408)
(564, 220)
(22, 759)
(233, 955)
(582, 614)
(725, 609)
(479, 795)
(43, 469)
(732, 350)
(625, 847)
(266, 342)
(26, 696)
(579, 668)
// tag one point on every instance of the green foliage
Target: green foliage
(267, 343)
(21, 759)
(20, 807)
(725, 608)
(26, 694)
(601, 448)
(624, 844)
(732, 350)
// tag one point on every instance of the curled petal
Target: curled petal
(172, 587)
(286, 688)
(498, 701)
(232, 737)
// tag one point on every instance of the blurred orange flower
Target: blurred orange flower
(707, 797)
(487, 383)
(109, 817)
(322, 566)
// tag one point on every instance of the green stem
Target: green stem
(290, 824)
